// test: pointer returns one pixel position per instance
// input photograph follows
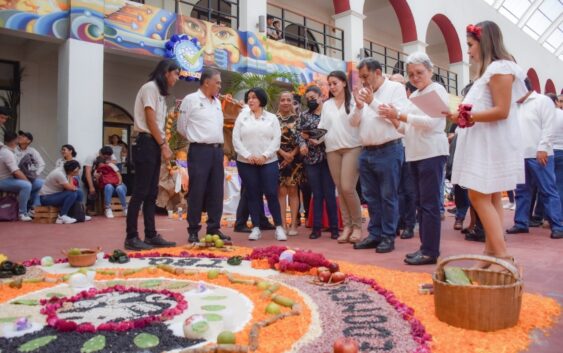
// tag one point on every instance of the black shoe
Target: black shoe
(316, 234)
(242, 229)
(475, 236)
(413, 254)
(136, 244)
(159, 242)
(452, 210)
(193, 237)
(516, 230)
(407, 233)
(367, 243)
(421, 259)
(386, 245)
(534, 223)
(334, 234)
(268, 226)
(220, 234)
(557, 235)
(467, 230)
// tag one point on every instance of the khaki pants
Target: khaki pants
(343, 165)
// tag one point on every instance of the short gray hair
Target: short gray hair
(420, 58)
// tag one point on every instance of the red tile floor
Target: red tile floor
(540, 256)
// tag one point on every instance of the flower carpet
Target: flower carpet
(237, 299)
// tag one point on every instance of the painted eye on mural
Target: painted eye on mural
(223, 35)
(194, 27)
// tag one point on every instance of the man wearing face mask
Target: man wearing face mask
(382, 155)
(316, 166)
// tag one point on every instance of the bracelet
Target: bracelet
(162, 144)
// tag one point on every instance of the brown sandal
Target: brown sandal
(356, 236)
(344, 236)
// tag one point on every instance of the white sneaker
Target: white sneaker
(255, 234)
(109, 213)
(65, 220)
(25, 218)
(31, 213)
(125, 212)
(513, 207)
(280, 234)
(508, 205)
(87, 218)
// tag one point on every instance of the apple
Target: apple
(333, 267)
(346, 345)
(226, 337)
(322, 269)
(273, 309)
(324, 276)
(338, 277)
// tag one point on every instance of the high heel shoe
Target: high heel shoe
(355, 236)
(344, 236)
(482, 265)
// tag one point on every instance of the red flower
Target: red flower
(475, 31)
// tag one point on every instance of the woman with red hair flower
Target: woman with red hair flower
(488, 156)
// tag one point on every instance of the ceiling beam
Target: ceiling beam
(529, 12)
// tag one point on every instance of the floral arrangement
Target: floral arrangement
(302, 261)
(51, 307)
(465, 120)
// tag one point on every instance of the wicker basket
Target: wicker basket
(491, 304)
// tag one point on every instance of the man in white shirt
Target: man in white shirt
(382, 155)
(201, 122)
(536, 117)
(558, 147)
(13, 180)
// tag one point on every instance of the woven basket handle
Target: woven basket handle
(491, 259)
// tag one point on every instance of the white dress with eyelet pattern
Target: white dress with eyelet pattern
(489, 156)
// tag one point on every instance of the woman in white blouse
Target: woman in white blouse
(426, 151)
(342, 142)
(68, 153)
(256, 138)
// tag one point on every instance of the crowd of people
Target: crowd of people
(503, 137)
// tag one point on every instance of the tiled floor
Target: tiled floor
(540, 256)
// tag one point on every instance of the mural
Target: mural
(145, 30)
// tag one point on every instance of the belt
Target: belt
(213, 145)
(383, 145)
(148, 134)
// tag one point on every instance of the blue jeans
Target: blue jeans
(26, 191)
(380, 175)
(323, 190)
(261, 179)
(64, 200)
(462, 202)
(558, 158)
(428, 175)
(544, 179)
(120, 190)
(407, 202)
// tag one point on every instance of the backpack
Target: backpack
(8, 207)
(107, 176)
(28, 166)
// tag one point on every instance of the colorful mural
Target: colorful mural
(144, 30)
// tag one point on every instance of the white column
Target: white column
(80, 96)
(463, 76)
(352, 23)
(250, 12)
(413, 47)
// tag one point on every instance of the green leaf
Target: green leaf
(146, 340)
(212, 317)
(26, 302)
(94, 344)
(37, 343)
(150, 283)
(178, 285)
(54, 294)
(213, 307)
(215, 297)
(200, 327)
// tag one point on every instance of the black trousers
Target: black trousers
(146, 158)
(243, 212)
(207, 174)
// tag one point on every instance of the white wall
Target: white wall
(38, 107)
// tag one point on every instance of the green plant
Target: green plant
(273, 83)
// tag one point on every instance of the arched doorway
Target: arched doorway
(549, 87)
(534, 79)
(301, 37)
(117, 121)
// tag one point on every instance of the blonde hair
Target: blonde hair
(491, 45)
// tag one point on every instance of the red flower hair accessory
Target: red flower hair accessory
(464, 119)
(475, 31)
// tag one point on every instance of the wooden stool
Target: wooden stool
(116, 207)
(46, 214)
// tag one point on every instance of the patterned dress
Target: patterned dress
(292, 173)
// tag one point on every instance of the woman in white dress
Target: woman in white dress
(488, 156)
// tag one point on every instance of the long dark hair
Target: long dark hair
(159, 72)
(491, 45)
(347, 94)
